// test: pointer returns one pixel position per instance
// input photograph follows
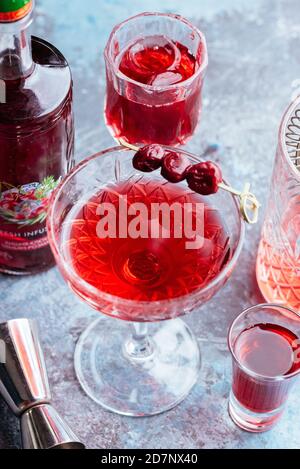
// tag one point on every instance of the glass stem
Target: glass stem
(139, 346)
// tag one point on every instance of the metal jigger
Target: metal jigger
(25, 388)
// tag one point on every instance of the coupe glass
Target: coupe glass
(158, 113)
(128, 360)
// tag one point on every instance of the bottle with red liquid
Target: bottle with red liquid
(36, 138)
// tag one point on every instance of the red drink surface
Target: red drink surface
(157, 61)
(268, 350)
(144, 269)
(36, 142)
(154, 117)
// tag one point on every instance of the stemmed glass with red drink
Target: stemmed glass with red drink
(155, 65)
(139, 358)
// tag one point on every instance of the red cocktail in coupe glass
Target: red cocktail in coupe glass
(265, 344)
(139, 358)
(155, 66)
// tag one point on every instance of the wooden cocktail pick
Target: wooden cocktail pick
(249, 205)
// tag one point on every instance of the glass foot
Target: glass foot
(252, 421)
(137, 375)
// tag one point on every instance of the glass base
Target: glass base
(252, 421)
(135, 381)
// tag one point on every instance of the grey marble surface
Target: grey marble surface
(254, 71)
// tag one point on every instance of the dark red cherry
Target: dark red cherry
(174, 166)
(148, 158)
(204, 178)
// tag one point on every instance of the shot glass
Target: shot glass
(265, 347)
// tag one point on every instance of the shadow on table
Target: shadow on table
(10, 437)
(256, 295)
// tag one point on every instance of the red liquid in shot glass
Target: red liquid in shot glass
(167, 116)
(268, 350)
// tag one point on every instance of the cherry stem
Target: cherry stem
(249, 205)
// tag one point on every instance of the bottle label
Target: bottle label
(23, 212)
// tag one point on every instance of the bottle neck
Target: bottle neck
(15, 49)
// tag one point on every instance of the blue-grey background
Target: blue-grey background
(254, 71)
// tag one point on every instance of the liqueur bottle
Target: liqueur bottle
(36, 137)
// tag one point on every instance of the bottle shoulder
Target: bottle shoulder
(43, 92)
